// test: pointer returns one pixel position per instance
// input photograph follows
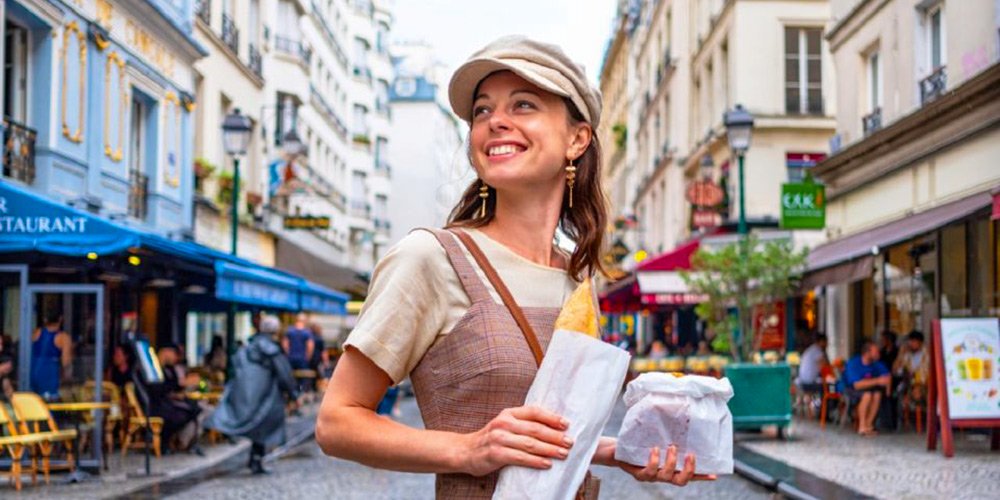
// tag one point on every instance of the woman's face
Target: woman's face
(521, 136)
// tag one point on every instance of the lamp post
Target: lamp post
(739, 125)
(235, 139)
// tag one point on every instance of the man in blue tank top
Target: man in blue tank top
(51, 357)
(298, 343)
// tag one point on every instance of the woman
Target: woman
(252, 405)
(432, 315)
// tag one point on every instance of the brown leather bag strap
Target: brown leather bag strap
(501, 288)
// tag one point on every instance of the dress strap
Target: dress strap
(473, 285)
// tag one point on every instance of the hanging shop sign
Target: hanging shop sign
(306, 222)
(803, 206)
(705, 218)
(704, 193)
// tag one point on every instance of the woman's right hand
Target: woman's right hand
(527, 436)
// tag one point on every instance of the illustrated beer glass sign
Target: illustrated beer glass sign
(971, 349)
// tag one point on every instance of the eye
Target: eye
(478, 111)
(524, 105)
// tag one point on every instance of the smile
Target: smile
(504, 150)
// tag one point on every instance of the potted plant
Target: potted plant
(203, 169)
(254, 201)
(745, 275)
(224, 196)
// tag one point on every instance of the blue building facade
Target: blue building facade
(98, 106)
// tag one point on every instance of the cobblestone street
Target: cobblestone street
(307, 473)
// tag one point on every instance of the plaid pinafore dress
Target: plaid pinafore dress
(483, 366)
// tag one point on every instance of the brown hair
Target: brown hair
(585, 223)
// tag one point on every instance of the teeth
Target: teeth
(504, 150)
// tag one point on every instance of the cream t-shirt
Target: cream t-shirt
(415, 297)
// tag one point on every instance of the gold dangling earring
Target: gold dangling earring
(484, 192)
(570, 180)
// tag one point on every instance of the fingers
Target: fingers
(685, 475)
(542, 433)
(540, 415)
(667, 473)
(530, 445)
(511, 456)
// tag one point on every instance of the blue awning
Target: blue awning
(30, 222)
(320, 299)
(256, 286)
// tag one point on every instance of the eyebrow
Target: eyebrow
(515, 91)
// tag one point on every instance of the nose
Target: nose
(499, 121)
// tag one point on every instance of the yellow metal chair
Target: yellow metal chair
(112, 417)
(137, 424)
(34, 417)
(16, 444)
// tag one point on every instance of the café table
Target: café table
(78, 408)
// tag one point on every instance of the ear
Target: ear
(579, 141)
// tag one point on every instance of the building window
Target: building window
(803, 71)
(361, 122)
(15, 82)
(138, 180)
(934, 83)
(798, 164)
(873, 120)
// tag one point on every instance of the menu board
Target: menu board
(971, 354)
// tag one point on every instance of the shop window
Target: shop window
(907, 282)
(954, 275)
(982, 283)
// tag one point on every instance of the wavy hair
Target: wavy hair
(585, 223)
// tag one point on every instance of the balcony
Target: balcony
(293, 48)
(137, 194)
(18, 151)
(364, 73)
(360, 209)
(230, 34)
(254, 60)
(933, 86)
(382, 169)
(872, 121)
(203, 9)
(382, 225)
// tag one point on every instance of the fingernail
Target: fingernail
(547, 463)
(563, 451)
(568, 441)
(564, 422)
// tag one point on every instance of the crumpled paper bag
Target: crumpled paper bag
(579, 379)
(689, 412)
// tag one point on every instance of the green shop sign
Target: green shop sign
(803, 206)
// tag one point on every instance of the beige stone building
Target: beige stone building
(909, 191)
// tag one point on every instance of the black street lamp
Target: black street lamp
(236, 129)
(739, 125)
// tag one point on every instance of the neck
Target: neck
(527, 225)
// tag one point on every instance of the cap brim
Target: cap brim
(467, 77)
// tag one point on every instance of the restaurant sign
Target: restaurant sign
(306, 222)
(803, 206)
(36, 223)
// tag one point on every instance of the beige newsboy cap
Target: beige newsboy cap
(542, 64)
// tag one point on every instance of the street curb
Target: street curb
(789, 481)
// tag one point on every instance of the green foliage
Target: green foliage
(768, 273)
(621, 135)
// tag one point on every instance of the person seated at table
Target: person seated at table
(120, 370)
(6, 377)
(867, 379)
(911, 367)
(168, 401)
(812, 362)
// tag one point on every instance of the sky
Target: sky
(457, 28)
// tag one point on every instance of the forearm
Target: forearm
(359, 434)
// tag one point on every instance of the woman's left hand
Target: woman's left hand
(654, 471)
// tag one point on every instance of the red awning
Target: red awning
(621, 296)
(678, 258)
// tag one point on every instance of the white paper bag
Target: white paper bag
(579, 379)
(689, 412)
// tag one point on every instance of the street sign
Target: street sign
(803, 206)
(306, 222)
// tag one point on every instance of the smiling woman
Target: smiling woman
(456, 326)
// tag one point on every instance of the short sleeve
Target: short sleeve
(405, 310)
(880, 369)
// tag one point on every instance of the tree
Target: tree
(768, 273)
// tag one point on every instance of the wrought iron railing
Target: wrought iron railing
(203, 9)
(230, 34)
(138, 194)
(293, 48)
(18, 151)
(933, 86)
(254, 60)
(872, 121)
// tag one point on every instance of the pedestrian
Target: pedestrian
(431, 316)
(253, 403)
(298, 343)
(318, 345)
(51, 357)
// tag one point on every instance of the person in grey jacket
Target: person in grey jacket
(253, 405)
